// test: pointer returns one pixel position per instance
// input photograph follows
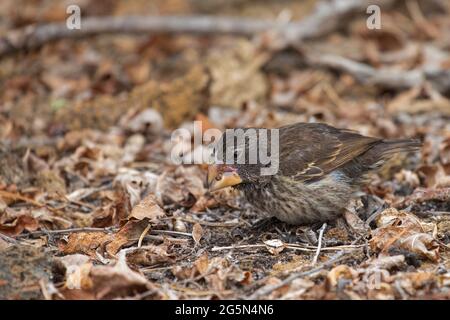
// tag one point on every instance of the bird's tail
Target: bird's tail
(374, 158)
(388, 147)
(385, 149)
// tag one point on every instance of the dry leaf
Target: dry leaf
(85, 243)
(13, 223)
(341, 272)
(182, 186)
(109, 282)
(275, 246)
(197, 233)
(147, 208)
(148, 255)
(135, 182)
(130, 232)
(77, 269)
(403, 230)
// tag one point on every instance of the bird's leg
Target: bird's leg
(371, 205)
(264, 223)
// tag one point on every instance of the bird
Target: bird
(320, 169)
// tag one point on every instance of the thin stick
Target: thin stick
(62, 231)
(252, 246)
(91, 229)
(7, 239)
(333, 248)
(175, 233)
(209, 224)
(148, 270)
(143, 234)
(162, 238)
(319, 246)
(291, 246)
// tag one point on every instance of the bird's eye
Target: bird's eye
(236, 155)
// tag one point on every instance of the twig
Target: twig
(62, 231)
(292, 246)
(209, 224)
(326, 18)
(200, 293)
(7, 239)
(143, 234)
(319, 245)
(333, 248)
(162, 238)
(436, 213)
(154, 269)
(244, 246)
(175, 233)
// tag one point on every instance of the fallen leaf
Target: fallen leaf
(135, 183)
(386, 262)
(148, 255)
(130, 232)
(13, 223)
(85, 243)
(182, 186)
(275, 246)
(148, 120)
(403, 230)
(77, 269)
(197, 233)
(147, 208)
(339, 273)
(109, 282)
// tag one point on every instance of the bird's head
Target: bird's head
(236, 161)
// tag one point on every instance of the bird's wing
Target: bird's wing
(309, 151)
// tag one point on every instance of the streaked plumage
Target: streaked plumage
(321, 167)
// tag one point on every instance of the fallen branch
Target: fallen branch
(383, 77)
(326, 18)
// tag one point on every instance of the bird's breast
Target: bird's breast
(297, 202)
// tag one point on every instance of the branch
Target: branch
(327, 17)
(365, 74)
(383, 77)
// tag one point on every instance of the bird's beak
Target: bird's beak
(219, 177)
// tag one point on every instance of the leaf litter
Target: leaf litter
(92, 208)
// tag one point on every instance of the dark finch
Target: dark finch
(320, 170)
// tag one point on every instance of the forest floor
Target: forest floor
(91, 206)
